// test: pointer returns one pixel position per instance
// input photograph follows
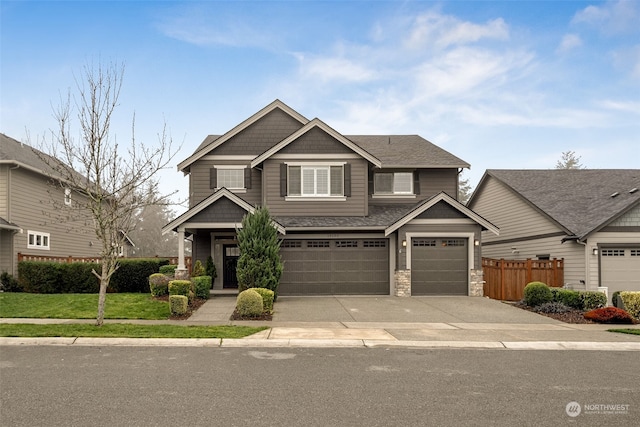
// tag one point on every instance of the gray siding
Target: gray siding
(261, 135)
(316, 141)
(32, 208)
(199, 188)
(6, 258)
(201, 247)
(513, 216)
(441, 210)
(356, 205)
(223, 210)
(432, 182)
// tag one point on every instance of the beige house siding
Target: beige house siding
(609, 239)
(513, 216)
(32, 209)
(356, 205)
(4, 196)
(199, 188)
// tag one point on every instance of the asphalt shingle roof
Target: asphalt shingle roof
(411, 151)
(578, 199)
(15, 151)
(379, 217)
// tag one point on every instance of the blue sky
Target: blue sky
(508, 84)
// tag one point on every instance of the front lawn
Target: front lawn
(124, 330)
(626, 331)
(81, 306)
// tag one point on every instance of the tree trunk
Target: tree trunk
(102, 298)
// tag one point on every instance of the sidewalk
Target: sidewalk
(437, 322)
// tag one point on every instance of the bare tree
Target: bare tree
(569, 160)
(112, 182)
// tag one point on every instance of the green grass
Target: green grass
(124, 330)
(626, 331)
(81, 306)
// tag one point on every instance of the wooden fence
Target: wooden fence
(506, 279)
(69, 259)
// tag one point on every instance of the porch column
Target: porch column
(181, 265)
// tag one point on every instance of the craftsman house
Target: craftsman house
(365, 214)
(31, 204)
(591, 218)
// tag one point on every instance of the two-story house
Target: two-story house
(374, 214)
(32, 220)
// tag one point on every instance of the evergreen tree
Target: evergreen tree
(259, 265)
(569, 160)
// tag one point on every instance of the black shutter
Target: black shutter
(247, 178)
(416, 182)
(370, 182)
(283, 179)
(347, 180)
(213, 178)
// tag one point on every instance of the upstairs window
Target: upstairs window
(37, 240)
(393, 183)
(315, 181)
(234, 178)
(67, 196)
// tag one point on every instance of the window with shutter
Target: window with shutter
(315, 180)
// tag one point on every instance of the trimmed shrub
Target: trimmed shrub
(249, 303)
(78, 278)
(631, 301)
(552, 307)
(132, 275)
(567, 297)
(158, 284)
(609, 315)
(202, 286)
(267, 298)
(179, 304)
(180, 287)
(168, 270)
(592, 300)
(616, 301)
(8, 283)
(536, 293)
(198, 269)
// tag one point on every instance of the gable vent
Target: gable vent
(633, 190)
(614, 194)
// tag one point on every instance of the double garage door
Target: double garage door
(439, 266)
(335, 267)
(620, 269)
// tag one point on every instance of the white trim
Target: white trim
(336, 236)
(233, 190)
(229, 158)
(313, 156)
(230, 167)
(315, 164)
(315, 199)
(393, 196)
(441, 221)
(42, 236)
(231, 225)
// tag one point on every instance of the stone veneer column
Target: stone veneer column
(403, 283)
(476, 287)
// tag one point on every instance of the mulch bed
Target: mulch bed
(265, 316)
(573, 316)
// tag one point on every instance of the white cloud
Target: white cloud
(441, 31)
(569, 42)
(334, 69)
(628, 59)
(613, 17)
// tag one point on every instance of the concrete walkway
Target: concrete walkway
(427, 322)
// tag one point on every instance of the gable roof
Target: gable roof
(407, 151)
(315, 123)
(6, 225)
(580, 200)
(15, 152)
(213, 141)
(429, 203)
(223, 192)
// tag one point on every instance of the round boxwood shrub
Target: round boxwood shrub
(536, 293)
(158, 284)
(267, 298)
(249, 303)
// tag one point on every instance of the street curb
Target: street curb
(320, 343)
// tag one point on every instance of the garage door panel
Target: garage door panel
(439, 267)
(620, 269)
(336, 267)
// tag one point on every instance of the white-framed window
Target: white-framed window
(393, 183)
(38, 240)
(232, 178)
(67, 196)
(315, 180)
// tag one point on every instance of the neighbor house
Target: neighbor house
(591, 218)
(33, 217)
(366, 214)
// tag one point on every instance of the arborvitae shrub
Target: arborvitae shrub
(202, 286)
(197, 270)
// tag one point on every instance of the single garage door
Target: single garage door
(439, 266)
(335, 267)
(620, 269)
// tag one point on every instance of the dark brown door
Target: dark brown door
(230, 263)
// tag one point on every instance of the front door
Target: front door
(230, 261)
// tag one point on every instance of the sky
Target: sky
(500, 84)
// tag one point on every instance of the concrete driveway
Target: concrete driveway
(400, 310)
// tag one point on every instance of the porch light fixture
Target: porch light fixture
(476, 242)
(404, 243)
(595, 251)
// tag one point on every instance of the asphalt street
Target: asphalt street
(168, 386)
